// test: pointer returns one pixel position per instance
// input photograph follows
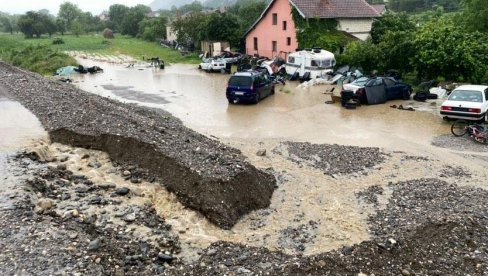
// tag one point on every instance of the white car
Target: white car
(468, 102)
(211, 64)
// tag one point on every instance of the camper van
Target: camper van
(309, 64)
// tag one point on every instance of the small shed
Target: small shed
(214, 48)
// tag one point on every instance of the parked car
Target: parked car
(249, 86)
(381, 89)
(468, 102)
(231, 57)
(356, 84)
(212, 64)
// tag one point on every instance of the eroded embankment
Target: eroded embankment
(204, 174)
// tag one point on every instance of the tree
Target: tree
(475, 14)
(90, 23)
(130, 23)
(60, 25)
(445, 49)
(8, 22)
(116, 14)
(391, 22)
(248, 12)
(69, 12)
(190, 29)
(195, 6)
(77, 28)
(35, 24)
(222, 27)
(153, 29)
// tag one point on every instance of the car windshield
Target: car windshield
(207, 60)
(240, 81)
(466, 96)
(360, 81)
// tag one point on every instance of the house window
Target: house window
(275, 19)
(274, 46)
(288, 41)
(284, 25)
(255, 43)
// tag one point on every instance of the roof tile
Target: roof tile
(335, 8)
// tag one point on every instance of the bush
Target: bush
(108, 33)
(58, 40)
(39, 59)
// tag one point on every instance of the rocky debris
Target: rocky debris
(122, 191)
(370, 195)
(429, 227)
(456, 172)
(295, 238)
(334, 159)
(204, 174)
(464, 143)
(261, 152)
(70, 238)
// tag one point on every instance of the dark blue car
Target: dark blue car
(249, 86)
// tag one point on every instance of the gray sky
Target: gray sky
(93, 6)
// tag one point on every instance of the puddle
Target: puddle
(18, 126)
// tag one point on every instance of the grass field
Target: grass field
(94, 43)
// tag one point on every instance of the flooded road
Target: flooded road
(198, 99)
(310, 212)
(324, 208)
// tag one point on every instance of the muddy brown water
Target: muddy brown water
(304, 194)
(18, 129)
(198, 99)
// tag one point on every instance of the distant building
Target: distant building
(274, 32)
(170, 34)
(103, 16)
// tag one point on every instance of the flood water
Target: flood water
(18, 129)
(304, 194)
(198, 99)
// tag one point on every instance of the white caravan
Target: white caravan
(310, 64)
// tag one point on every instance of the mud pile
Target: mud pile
(204, 174)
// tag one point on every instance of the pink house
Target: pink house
(274, 33)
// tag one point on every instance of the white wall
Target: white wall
(359, 27)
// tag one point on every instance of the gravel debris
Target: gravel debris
(464, 143)
(334, 159)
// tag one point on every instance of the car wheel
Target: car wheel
(272, 90)
(231, 101)
(256, 98)
(406, 95)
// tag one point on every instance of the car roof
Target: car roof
(472, 87)
(247, 73)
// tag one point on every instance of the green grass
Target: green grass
(94, 43)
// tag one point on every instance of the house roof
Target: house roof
(335, 8)
(380, 8)
(327, 9)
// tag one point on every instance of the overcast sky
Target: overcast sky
(93, 6)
